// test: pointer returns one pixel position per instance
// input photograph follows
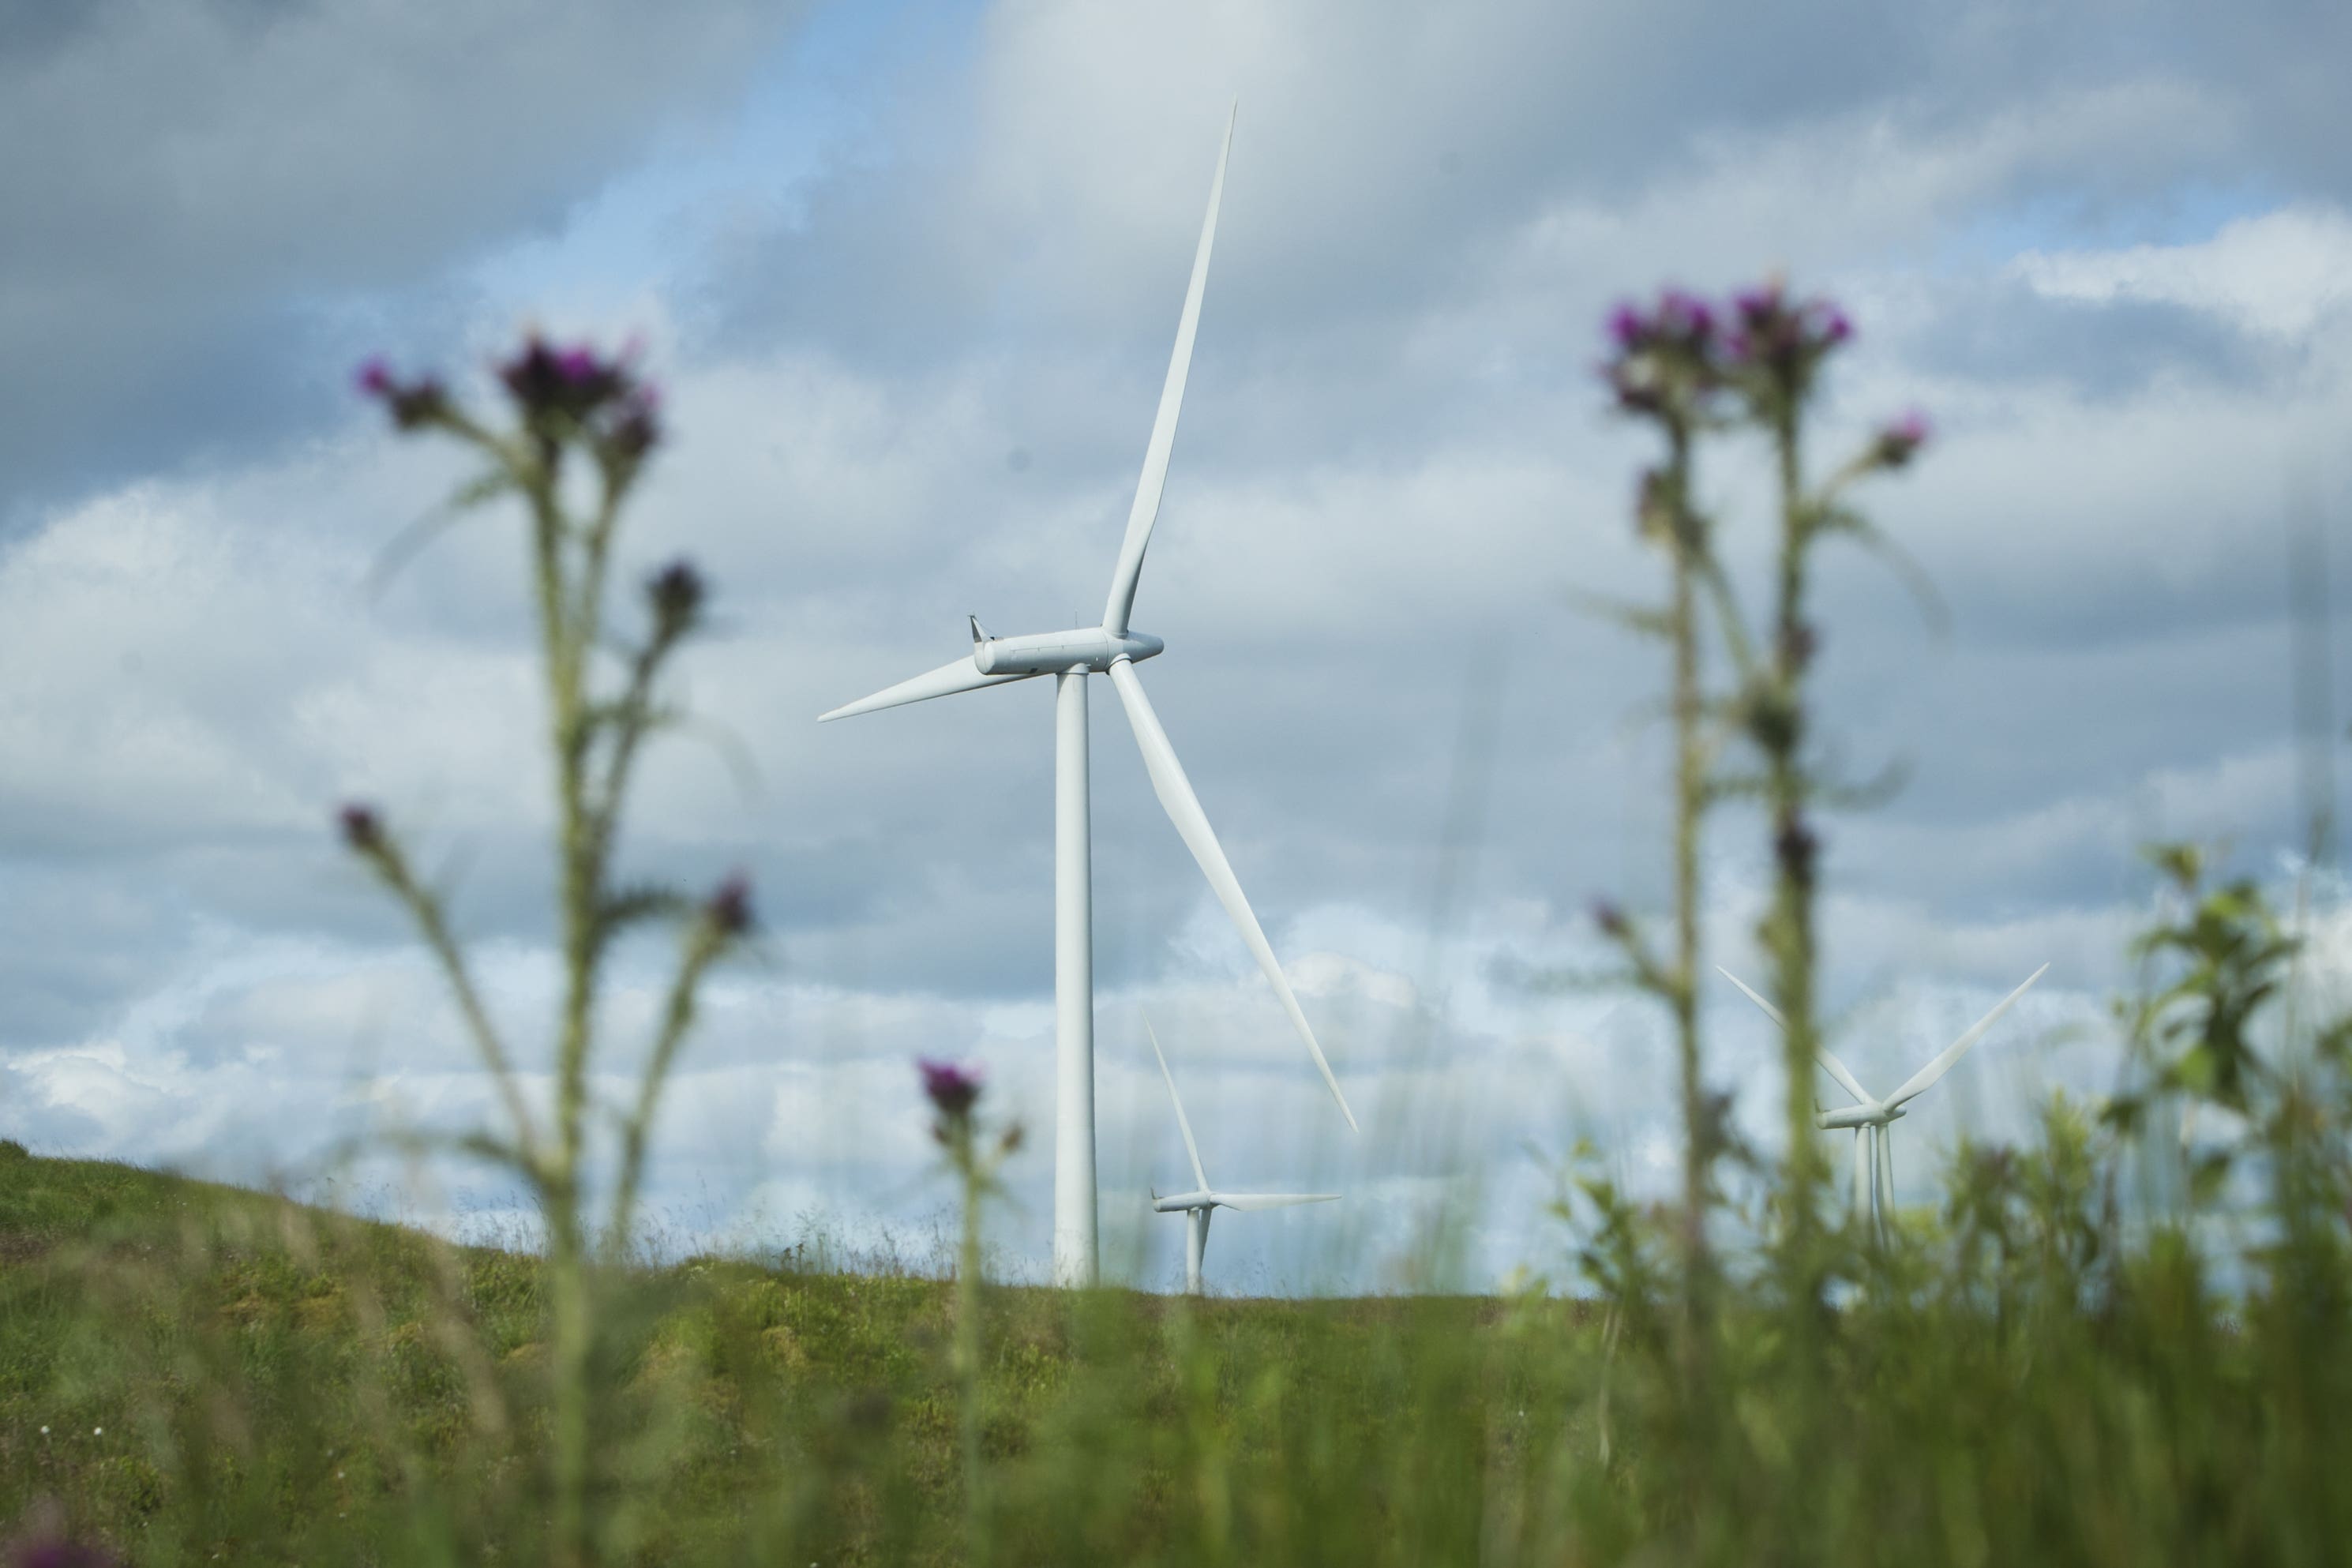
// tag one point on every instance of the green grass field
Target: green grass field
(196, 1374)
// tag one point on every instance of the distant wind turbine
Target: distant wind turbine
(1195, 1205)
(1069, 657)
(1871, 1119)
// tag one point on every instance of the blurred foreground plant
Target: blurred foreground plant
(1696, 372)
(954, 1093)
(572, 412)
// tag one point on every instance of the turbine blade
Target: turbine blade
(1830, 1063)
(962, 675)
(1920, 1081)
(1183, 808)
(1146, 510)
(1182, 1126)
(1273, 1200)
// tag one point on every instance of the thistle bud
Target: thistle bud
(729, 906)
(1901, 440)
(675, 592)
(951, 1089)
(362, 828)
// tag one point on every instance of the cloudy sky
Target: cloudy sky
(907, 273)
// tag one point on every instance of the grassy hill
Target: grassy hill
(189, 1369)
(199, 1374)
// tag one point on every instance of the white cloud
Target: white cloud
(2280, 273)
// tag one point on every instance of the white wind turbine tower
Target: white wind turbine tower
(1111, 648)
(1871, 1119)
(1195, 1205)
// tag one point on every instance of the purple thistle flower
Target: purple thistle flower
(1901, 440)
(638, 428)
(413, 402)
(1796, 849)
(1685, 316)
(729, 908)
(545, 380)
(954, 1089)
(362, 828)
(677, 594)
(58, 1552)
(1663, 360)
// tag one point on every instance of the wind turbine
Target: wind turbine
(1873, 1119)
(1111, 648)
(1195, 1205)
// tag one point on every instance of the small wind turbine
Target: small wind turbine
(1871, 1119)
(1111, 648)
(1195, 1205)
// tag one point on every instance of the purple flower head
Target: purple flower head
(1901, 440)
(544, 380)
(1627, 326)
(954, 1089)
(677, 594)
(1664, 360)
(413, 402)
(729, 908)
(56, 1551)
(1782, 340)
(1684, 317)
(577, 365)
(1796, 849)
(1759, 304)
(362, 828)
(1610, 918)
(638, 428)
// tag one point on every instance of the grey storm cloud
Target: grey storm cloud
(192, 186)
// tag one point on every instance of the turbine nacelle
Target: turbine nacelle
(1859, 1116)
(1091, 648)
(1182, 1201)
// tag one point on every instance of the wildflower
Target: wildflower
(413, 402)
(1665, 362)
(545, 380)
(56, 1551)
(1779, 343)
(636, 431)
(362, 831)
(1901, 440)
(729, 908)
(954, 1089)
(1610, 918)
(1796, 847)
(675, 591)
